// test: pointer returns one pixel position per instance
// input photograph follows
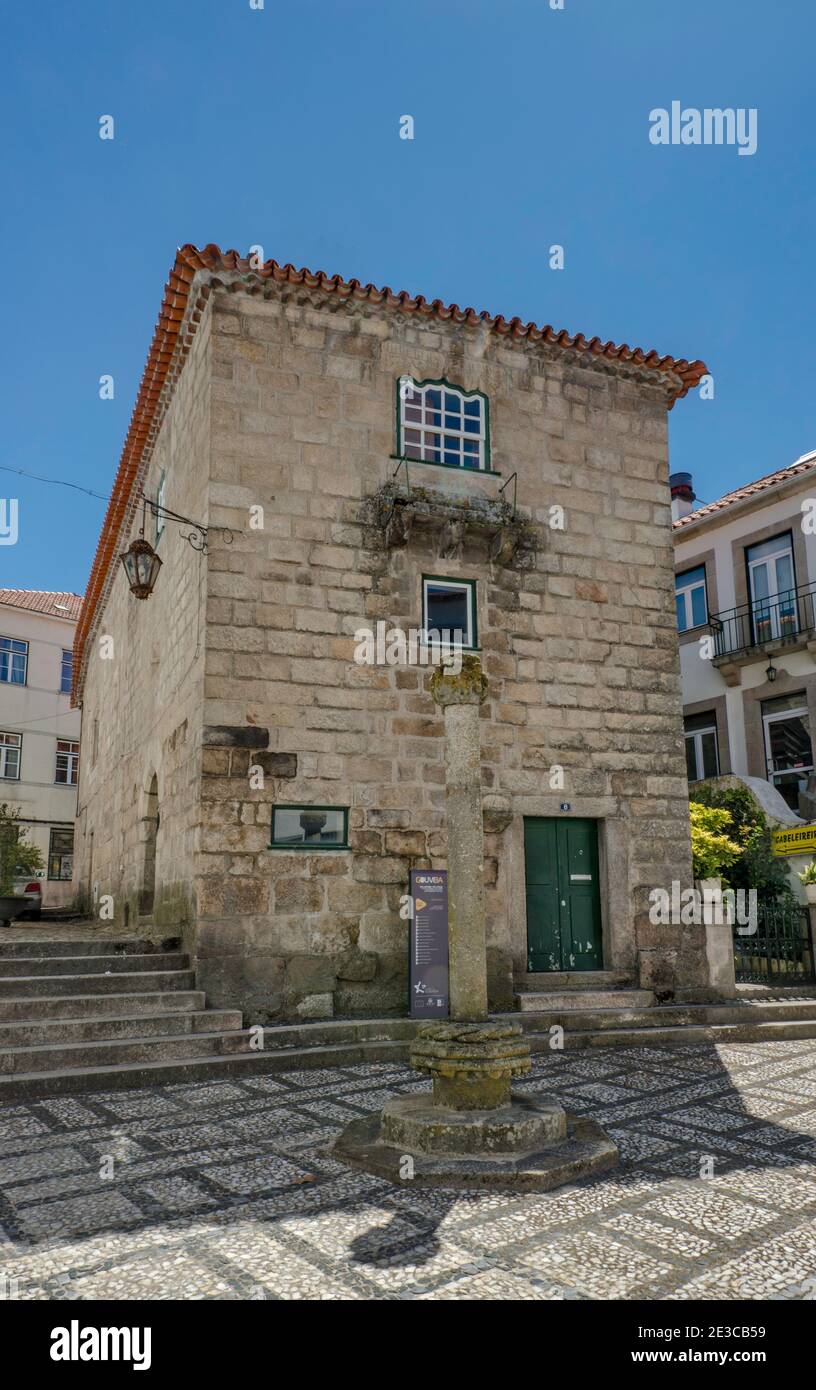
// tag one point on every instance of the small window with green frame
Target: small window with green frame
(438, 422)
(449, 611)
(160, 491)
(309, 827)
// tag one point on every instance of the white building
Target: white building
(39, 732)
(745, 586)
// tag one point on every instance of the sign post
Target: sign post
(429, 943)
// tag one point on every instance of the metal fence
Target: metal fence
(781, 951)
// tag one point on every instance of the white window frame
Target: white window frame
(10, 743)
(696, 736)
(71, 755)
(417, 415)
(767, 609)
(468, 586)
(685, 592)
(12, 656)
(767, 720)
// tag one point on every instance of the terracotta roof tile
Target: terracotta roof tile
(169, 348)
(56, 605)
(803, 465)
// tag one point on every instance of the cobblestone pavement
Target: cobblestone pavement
(227, 1190)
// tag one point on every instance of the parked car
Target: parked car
(25, 900)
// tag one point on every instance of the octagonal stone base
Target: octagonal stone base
(529, 1145)
(416, 1124)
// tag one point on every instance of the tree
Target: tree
(16, 855)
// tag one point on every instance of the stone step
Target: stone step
(18, 967)
(684, 1035)
(528, 1001)
(572, 979)
(77, 1006)
(797, 991)
(136, 983)
(29, 1086)
(35, 1084)
(675, 1015)
(97, 1056)
(40, 947)
(40, 1031)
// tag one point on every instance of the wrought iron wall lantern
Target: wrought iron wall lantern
(140, 561)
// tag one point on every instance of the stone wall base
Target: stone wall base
(351, 984)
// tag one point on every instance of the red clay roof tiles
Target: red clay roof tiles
(56, 605)
(740, 494)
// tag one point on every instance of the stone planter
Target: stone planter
(12, 907)
(810, 891)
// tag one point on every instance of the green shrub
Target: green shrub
(757, 865)
(712, 852)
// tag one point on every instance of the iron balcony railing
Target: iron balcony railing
(764, 621)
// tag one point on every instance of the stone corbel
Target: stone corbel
(497, 813)
(503, 545)
(451, 540)
(731, 673)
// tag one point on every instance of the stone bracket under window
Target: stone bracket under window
(508, 538)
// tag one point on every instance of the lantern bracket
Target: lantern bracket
(197, 537)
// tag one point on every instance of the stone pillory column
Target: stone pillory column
(473, 1130)
(471, 1060)
(461, 697)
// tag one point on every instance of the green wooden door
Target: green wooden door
(563, 899)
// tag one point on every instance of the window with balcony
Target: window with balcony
(772, 589)
(67, 762)
(13, 661)
(702, 758)
(10, 749)
(788, 749)
(441, 423)
(690, 598)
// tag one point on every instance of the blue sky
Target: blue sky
(281, 127)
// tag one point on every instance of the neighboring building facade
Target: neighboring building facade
(297, 394)
(39, 731)
(745, 586)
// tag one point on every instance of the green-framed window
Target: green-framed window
(160, 491)
(438, 422)
(60, 854)
(449, 611)
(309, 827)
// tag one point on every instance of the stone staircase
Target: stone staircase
(588, 989)
(84, 1013)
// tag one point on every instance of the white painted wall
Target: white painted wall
(41, 714)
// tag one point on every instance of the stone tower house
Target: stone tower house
(362, 457)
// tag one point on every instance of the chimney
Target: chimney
(682, 494)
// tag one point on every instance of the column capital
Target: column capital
(468, 687)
